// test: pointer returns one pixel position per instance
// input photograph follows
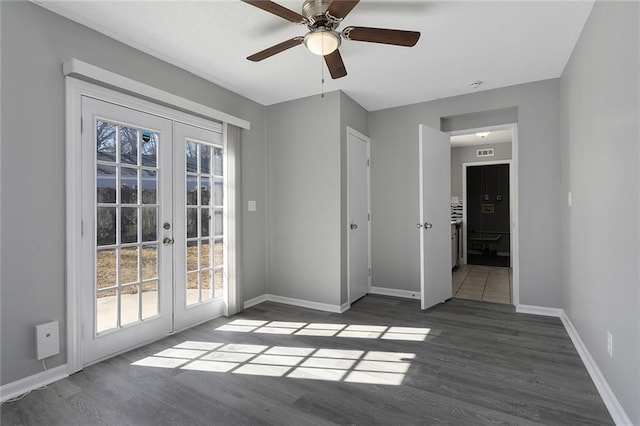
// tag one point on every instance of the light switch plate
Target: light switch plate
(47, 340)
(569, 201)
(252, 206)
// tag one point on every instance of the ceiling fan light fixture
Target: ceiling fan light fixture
(322, 42)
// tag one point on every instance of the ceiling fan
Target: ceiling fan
(323, 17)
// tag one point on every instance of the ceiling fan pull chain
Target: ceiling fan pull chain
(322, 74)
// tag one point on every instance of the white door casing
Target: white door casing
(358, 208)
(434, 226)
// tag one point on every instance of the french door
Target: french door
(153, 227)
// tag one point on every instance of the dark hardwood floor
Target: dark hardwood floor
(460, 363)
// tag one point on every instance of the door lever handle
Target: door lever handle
(428, 225)
(167, 241)
(354, 226)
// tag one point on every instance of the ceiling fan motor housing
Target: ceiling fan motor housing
(316, 13)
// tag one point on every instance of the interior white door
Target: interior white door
(435, 216)
(358, 212)
(200, 224)
(127, 271)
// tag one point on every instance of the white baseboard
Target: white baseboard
(296, 302)
(608, 397)
(539, 310)
(395, 292)
(22, 386)
(255, 301)
(614, 407)
(345, 307)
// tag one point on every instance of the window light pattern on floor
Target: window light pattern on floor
(352, 366)
(328, 329)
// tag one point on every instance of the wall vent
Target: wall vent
(486, 152)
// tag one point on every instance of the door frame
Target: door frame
(351, 132)
(75, 89)
(513, 199)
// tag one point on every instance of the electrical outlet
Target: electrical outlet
(610, 344)
(251, 206)
(47, 340)
(569, 202)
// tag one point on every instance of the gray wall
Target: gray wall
(303, 211)
(394, 151)
(600, 162)
(35, 43)
(467, 154)
(355, 116)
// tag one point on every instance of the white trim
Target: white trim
(609, 398)
(384, 291)
(513, 201)
(351, 132)
(255, 301)
(296, 302)
(26, 384)
(345, 307)
(85, 71)
(606, 393)
(539, 310)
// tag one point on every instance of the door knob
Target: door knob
(166, 241)
(428, 225)
(419, 225)
(354, 226)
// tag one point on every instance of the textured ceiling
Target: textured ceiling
(501, 43)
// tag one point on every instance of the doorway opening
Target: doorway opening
(483, 206)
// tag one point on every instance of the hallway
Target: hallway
(483, 283)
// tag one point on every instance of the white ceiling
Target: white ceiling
(501, 43)
(494, 137)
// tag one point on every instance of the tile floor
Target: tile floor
(483, 283)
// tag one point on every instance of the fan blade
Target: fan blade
(339, 9)
(382, 35)
(280, 47)
(278, 10)
(335, 64)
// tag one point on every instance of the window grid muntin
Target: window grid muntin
(140, 283)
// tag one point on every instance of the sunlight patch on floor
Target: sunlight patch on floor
(353, 366)
(414, 334)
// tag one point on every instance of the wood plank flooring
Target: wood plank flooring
(478, 363)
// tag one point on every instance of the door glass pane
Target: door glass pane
(105, 226)
(205, 159)
(128, 265)
(205, 219)
(127, 215)
(205, 254)
(128, 185)
(218, 255)
(106, 310)
(218, 191)
(192, 255)
(217, 161)
(129, 225)
(149, 146)
(204, 162)
(149, 262)
(149, 299)
(106, 141)
(149, 180)
(192, 190)
(192, 288)
(191, 152)
(206, 282)
(205, 190)
(105, 184)
(218, 282)
(128, 146)
(149, 224)
(106, 271)
(129, 299)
